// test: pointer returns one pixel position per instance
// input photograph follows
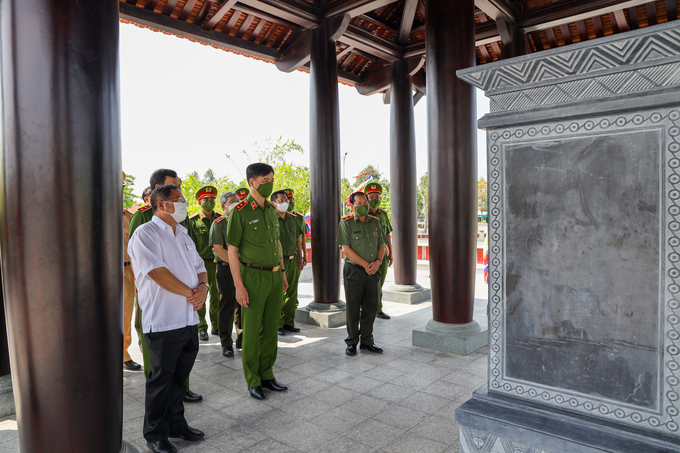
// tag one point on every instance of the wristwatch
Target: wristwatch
(204, 283)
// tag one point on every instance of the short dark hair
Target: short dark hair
(147, 192)
(354, 195)
(158, 176)
(277, 193)
(258, 169)
(161, 193)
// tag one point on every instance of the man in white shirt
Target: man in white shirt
(172, 284)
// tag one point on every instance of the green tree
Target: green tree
(191, 183)
(423, 194)
(482, 195)
(129, 199)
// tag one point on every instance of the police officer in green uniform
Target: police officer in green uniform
(242, 193)
(291, 246)
(228, 312)
(374, 193)
(256, 264)
(363, 243)
(161, 177)
(301, 217)
(202, 221)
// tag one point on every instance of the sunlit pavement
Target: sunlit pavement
(401, 401)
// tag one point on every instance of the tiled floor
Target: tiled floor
(401, 401)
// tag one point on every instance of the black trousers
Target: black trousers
(172, 356)
(228, 311)
(362, 295)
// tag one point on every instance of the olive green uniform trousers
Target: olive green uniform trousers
(211, 269)
(290, 297)
(383, 274)
(362, 293)
(229, 311)
(260, 322)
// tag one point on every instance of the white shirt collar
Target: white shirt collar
(163, 224)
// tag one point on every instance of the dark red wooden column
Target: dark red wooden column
(324, 168)
(452, 152)
(403, 174)
(61, 226)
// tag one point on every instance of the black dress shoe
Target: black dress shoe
(291, 328)
(383, 315)
(273, 384)
(238, 345)
(190, 434)
(256, 392)
(214, 332)
(203, 335)
(228, 351)
(132, 365)
(351, 350)
(371, 347)
(162, 446)
(191, 397)
(281, 332)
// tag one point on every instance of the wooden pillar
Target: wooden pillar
(452, 153)
(324, 167)
(61, 225)
(4, 344)
(403, 174)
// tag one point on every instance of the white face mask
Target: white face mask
(232, 206)
(180, 211)
(282, 207)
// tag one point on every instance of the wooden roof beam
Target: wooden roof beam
(406, 23)
(343, 76)
(381, 79)
(498, 8)
(373, 45)
(354, 7)
(194, 32)
(296, 11)
(299, 52)
(219, 14)
(557, 13)
(186, 11)
(485, 33)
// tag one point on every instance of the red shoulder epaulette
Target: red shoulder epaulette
(194, 216)
(144, 208)
(347, 217)
(373, 217)
(242, 205)
(219, 219)
(383, 210)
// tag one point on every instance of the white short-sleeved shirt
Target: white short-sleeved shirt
(153, 246)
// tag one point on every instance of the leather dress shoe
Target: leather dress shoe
(281, 332)
(191, 397)
(371, 347)
(274, 385)
(228, 351)
(238, 345)
(190, 434)
(203, 335)
(351, 350)
(383, 315)
(214, 332)
(162, 446)
(132, 365)
(291, 328)
(256, 392)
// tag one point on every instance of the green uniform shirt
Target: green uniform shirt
(255, 231)
(202, 226)
(363, 238)
(384, 221)
(289, 232)
(303, 226)
(145, 214)
(218, 235)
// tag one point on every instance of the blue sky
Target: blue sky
(185, 105)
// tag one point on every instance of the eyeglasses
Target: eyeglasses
(179, 200)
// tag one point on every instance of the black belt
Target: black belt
(290, 257)
(209, 260)
(260, 268)
(223, 263)
(127, 263)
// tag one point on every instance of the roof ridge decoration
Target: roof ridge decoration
(589, 70)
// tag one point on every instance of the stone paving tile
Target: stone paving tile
(271, 446)
(306, 408)
(303, 436)
(438, 429)
(374, 434)
(392, 393)
(338, 420)
(409, 443)
(366, 406)
(401, 417)
(424, 402)
(383, 373)
(335, 396)
(342, 444)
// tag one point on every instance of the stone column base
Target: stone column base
(322, 315)
(457, 338)
(406, 294)
(6, 396)
(128, 448)
(494, 423)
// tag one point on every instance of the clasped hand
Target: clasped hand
(198, 297)
(372, 268)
